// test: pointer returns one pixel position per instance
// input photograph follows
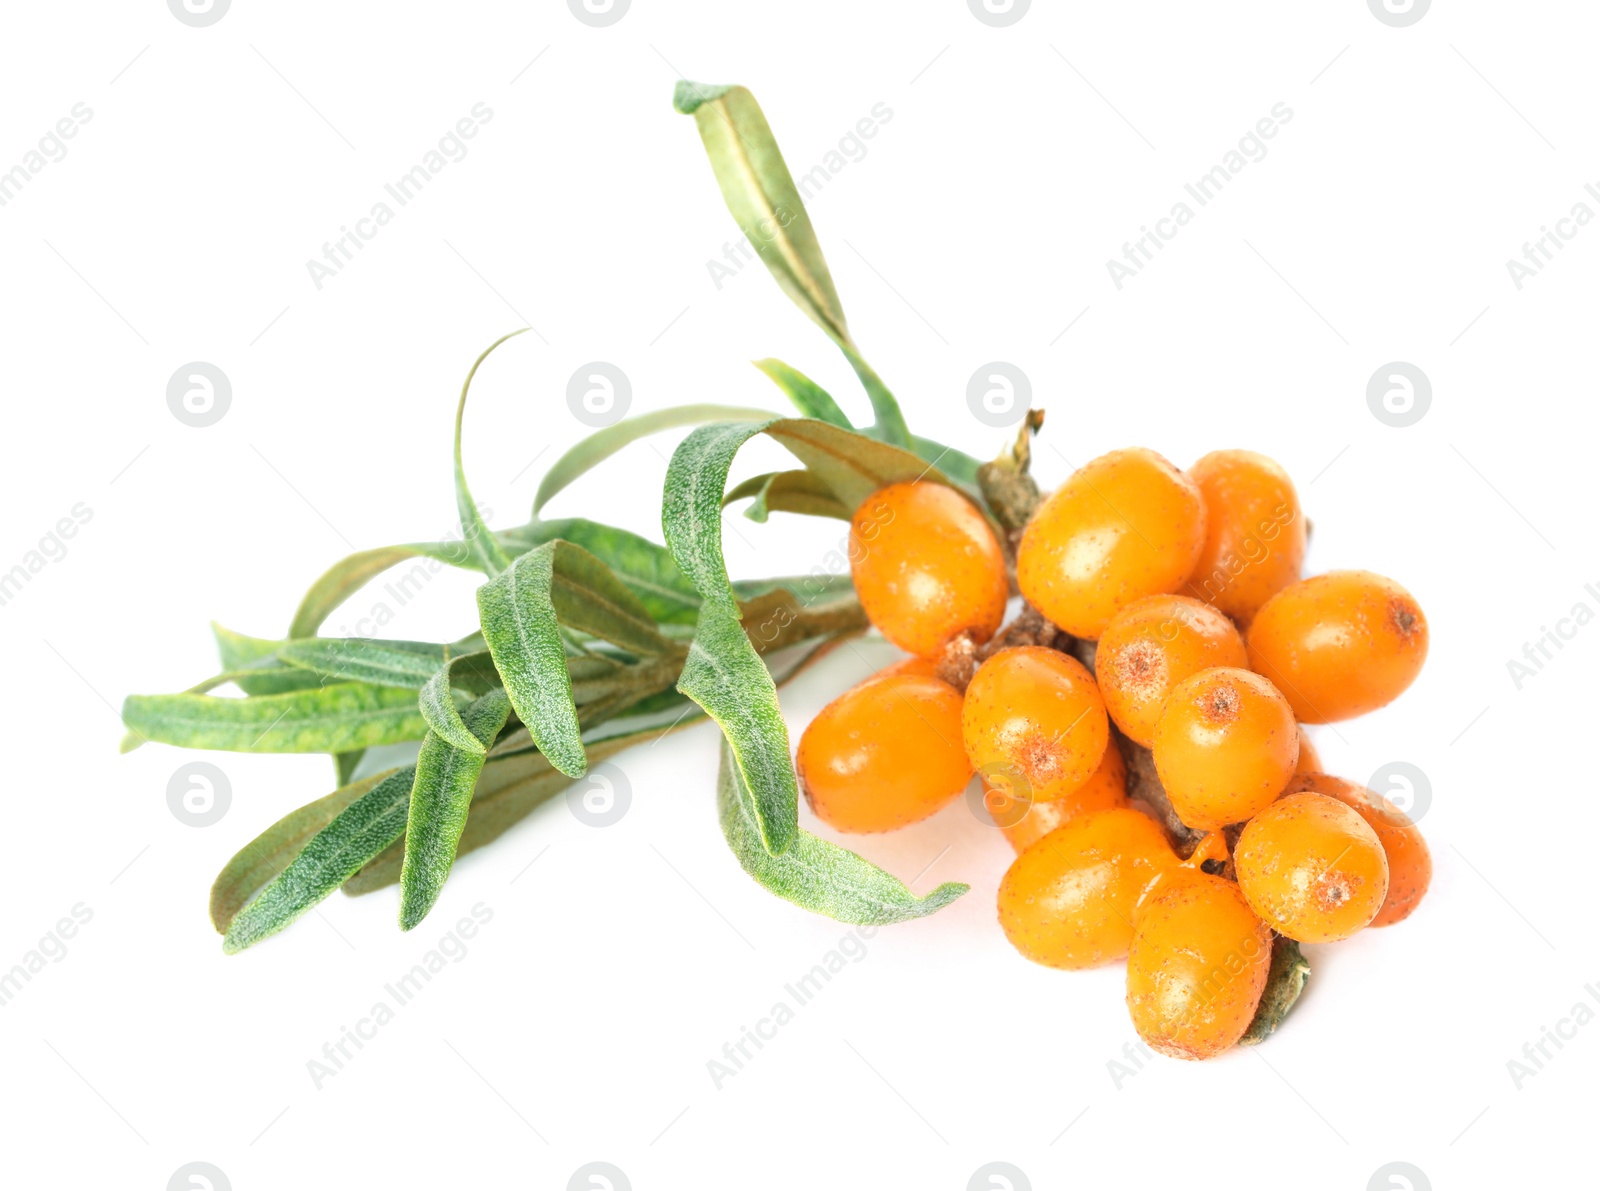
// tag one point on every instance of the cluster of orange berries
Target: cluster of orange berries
(1208, 649)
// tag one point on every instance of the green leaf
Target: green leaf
(264, 857)
(517, 780)
(646, 568)
(440, 796)
(959, 466)
(345, 765)
(852, 465)
(329, 719)
(763, 199)
(603, 444)
(474, 672)
(479, 540)
(724, 673)
(815, 874)
(250, 663)
(521, 630)
(787, 492)
(406, 664)
(810, 398)
(360, 831)
(349, 575)
(588, 597)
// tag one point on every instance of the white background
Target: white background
(976, 228)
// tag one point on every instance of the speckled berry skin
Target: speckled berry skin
(1150, 647)
(1225, 747)
(1069, 900)
(1410, 862)
(1197, 966)
(927, 567)
(1312, 868)
(1034, 724)
(1106, 789)
(1255, 533)
(1124, 526)
(1339, 645)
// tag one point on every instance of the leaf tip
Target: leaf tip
(687, 96)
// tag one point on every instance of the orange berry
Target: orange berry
(1150, 647)
(926, 566)
(1023, 824)
(1033, 723)
(884, 754)
(1312, 868)
(1339, 644)
(1225, 747)
(1309, 761)
(1068, 901)
(1410, 863)
(1123, 526)
(1196, 967)
(1255, 533)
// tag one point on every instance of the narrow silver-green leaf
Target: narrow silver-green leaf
(356, 834)
(250, 663)
(603, 444)
(810, 398)
(440, 796)
(815, 874)
(479, 539)
(406, 664)
(646, 567)
(521, 630)
(474, 672)
(724, 672)
(766, 204)
(798, 491)
(329, 719)
(958, 465)
(256, 864)
(347, 576)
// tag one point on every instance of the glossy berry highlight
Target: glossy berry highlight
(927, 567)
(885, 753)
(1124, 526)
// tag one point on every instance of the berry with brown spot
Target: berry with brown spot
(1410, 863)
(1312, 868)
(1150, 647)
(1340, 644)
(1225, 747)
(1033, 723)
